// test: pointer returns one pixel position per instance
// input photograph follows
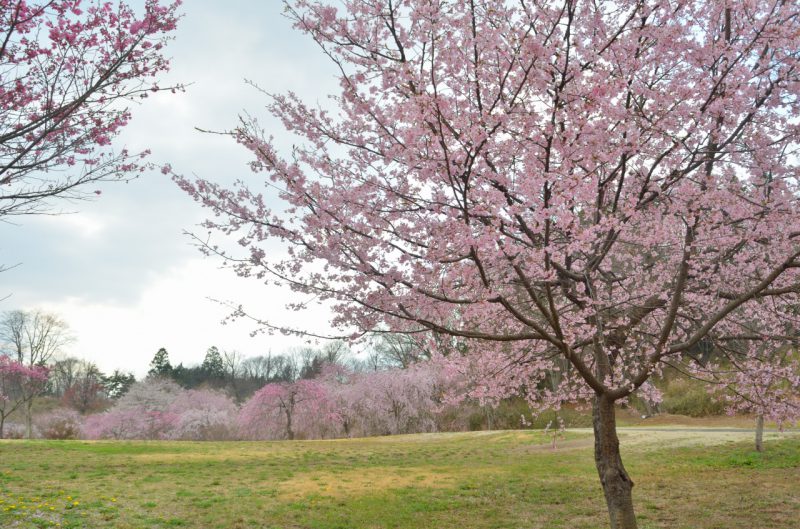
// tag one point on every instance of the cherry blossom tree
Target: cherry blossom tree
(347, 404)
(68, 70)
(19, 384)
(34, 337)
(603, 183)
(768, 387)
(144, 412)
(203, 415)
(282, 410)
(127, 424)
(396, 401)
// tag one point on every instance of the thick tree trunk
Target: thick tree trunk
(616, 483)
(2, 425)
(289, 430)
(346, 426)
(760, 433)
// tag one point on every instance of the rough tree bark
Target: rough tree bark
(617, 485)
(289, 430)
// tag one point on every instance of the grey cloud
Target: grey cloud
(141, 222)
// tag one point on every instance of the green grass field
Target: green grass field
(471, 480)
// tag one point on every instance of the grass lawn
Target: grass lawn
(443, 481)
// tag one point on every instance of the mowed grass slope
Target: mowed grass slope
(464, 481)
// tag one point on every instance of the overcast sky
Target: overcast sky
(120, 271)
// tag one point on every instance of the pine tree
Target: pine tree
(213, 365)
(159, 365)
(118, 383)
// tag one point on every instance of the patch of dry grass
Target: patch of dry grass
(365, 481)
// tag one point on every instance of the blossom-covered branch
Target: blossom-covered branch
(68, 71)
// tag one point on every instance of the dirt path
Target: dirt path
(668, 437)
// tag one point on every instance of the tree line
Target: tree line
(397, 386)
(33, 367)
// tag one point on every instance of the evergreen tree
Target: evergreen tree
(159, 365)
(213, 366)
(118, 383)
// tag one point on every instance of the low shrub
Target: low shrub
(689, 397)
(59, 424)
(13, 430)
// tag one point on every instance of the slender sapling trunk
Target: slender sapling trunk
(29, 419)
(760, 433)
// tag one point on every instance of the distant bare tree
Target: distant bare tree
(399, 350)
(86, 393)
(63, 374)
(232, 364)
(335, 352)
(258, 367)
(373, 361)
(33, 337)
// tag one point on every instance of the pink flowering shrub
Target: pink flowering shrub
(14, 430)
(61, 423)
(203, 415)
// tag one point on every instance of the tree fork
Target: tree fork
(617, 484)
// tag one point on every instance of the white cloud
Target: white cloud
(80, 224)
(174, 312)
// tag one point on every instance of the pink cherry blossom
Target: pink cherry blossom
(596, 188)
(286, 410)
(68, 72)
(19, 384)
